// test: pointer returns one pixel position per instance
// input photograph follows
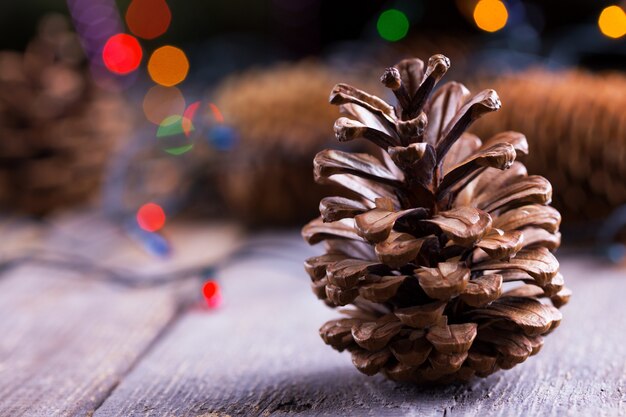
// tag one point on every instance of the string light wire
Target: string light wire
(266, 248)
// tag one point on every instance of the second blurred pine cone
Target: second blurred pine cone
(580, 144)
(57, 128)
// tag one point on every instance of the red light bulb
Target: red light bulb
(122, 54)
(212, 295)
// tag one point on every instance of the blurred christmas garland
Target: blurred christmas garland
(206, 275)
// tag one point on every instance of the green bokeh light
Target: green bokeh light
(392, 25)
(170, 126)
(170, 132)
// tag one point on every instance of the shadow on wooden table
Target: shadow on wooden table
(342, 391)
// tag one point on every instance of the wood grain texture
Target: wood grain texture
(68, 338)
(67, 342)
(261, 355)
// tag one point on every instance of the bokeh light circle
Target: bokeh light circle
(392, 25)
(150, 217)
(161, 102)
(490, 15)
(170, 134)
(168, 66)
(222, 137)
(612, 22)
(148, 19)
(122, 54)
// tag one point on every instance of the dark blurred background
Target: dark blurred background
(310, 27)
(229, 122)
(334, 21)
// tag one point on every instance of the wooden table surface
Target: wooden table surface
(73, 344)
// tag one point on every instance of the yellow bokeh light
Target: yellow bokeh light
(168, 66)
(612, 22)
(490, 15)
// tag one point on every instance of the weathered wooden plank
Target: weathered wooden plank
(261, 355)
(68, 337)
(67, 342)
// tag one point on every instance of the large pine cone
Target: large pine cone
(438, 225)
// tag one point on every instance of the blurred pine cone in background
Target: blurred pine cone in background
(57, 128)
(575, 123)
(282, 119)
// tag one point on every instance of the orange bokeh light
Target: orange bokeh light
(148, 19)
(150, 217)
(612, 22)
(168, 66)
(490, 15)
(122, 54)
(161, 102)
